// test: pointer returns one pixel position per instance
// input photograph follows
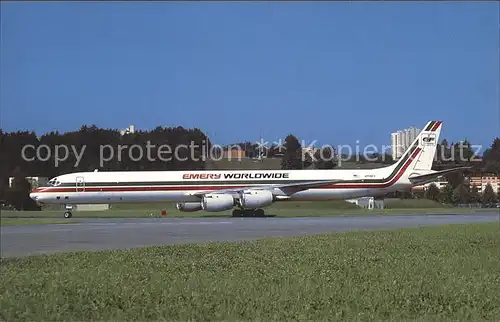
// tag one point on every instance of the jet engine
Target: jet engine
(256, 199)
(188, 206)
(217, 202)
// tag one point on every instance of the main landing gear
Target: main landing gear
(248, 213)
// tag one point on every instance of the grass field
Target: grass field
(438, 273)
(281, 209)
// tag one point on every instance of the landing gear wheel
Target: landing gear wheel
(248, 213)
(68, 214)
(237, 213)
(259, 213)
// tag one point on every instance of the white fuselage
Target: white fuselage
(188, 186)
(178, 186)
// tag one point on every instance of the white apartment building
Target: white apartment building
(129, 130)
(401, 140)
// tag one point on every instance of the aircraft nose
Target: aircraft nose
(37, 197)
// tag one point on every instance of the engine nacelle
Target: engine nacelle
(256, 199)
(188, 206)
(217, 202)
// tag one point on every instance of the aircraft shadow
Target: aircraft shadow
(220, 216)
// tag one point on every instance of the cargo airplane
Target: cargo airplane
(246, 192)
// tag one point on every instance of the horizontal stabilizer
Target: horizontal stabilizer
(433, 176)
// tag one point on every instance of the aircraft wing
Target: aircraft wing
(430, 177)
(288, 189)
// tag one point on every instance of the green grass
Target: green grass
(31, 221)
(279, 209)
(438, 273)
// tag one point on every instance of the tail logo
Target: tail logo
(430, 139)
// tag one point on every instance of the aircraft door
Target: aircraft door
(80, 184)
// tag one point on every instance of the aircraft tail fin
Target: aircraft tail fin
(419, 156)
(427, 141)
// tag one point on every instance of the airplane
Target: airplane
(246, 191)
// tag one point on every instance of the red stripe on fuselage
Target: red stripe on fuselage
(208, 188)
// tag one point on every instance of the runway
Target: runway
(101, 234)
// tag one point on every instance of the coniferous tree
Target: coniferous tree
(292, 154)
(491, 158)
(460, 194)
(489, 196)
(18, 194)
(325, 158)
(446, 194)
(474, 196)
(432, 192)
(455, 179)
(444, 151)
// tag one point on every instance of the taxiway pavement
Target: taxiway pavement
(101, 234)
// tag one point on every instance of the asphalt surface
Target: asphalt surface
(101, 234)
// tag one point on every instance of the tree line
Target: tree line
(13, 164)
(462, 194)
(90, 140)
(458, 190)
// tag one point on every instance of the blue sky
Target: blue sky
(326, 71)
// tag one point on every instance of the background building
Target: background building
(128, 130)
(35, 182)
(368, 202)
(481, 180)
(233, 154)
(401, 140)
